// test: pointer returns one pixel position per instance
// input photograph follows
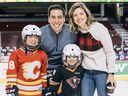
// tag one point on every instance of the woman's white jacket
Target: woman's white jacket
(104, 58)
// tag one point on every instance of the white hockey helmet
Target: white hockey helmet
(31, 30)
(71, 50)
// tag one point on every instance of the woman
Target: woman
(96, 44)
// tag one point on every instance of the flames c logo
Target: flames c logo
(28, 70)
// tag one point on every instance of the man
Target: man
(55, 36)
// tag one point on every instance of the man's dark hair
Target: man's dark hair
(56, 7)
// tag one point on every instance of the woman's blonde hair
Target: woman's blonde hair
(90, 19)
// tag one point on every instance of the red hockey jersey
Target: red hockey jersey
(28, 71)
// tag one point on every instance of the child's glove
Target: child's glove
(11, 89)
(48, 92)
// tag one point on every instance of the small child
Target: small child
(27, 67)
(69, 74)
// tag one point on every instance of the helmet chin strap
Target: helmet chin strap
(30, 48)
(26, 49)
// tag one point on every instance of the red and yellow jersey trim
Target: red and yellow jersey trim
(31, 93)
(29, 83)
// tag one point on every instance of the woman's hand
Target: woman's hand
(112, 80)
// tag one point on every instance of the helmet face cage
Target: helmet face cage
(30, 30)
(32, 48)
(71, 50)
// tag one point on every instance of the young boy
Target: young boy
(27, 67)
(69, 74)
